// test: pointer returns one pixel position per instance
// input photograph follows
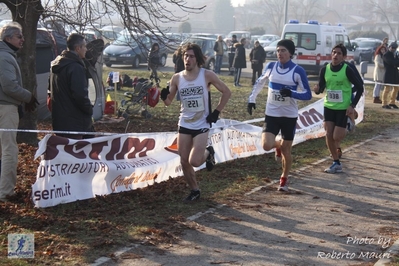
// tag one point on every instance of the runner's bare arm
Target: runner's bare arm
(213, 79)
(174, 82)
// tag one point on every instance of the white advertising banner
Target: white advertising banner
(72, 170)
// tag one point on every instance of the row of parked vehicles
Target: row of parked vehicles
(132, 49)
(365, 49)
(126, 50)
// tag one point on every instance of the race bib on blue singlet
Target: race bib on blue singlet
(276, 98)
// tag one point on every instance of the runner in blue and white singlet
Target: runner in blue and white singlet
(278, 76)
(287, 83)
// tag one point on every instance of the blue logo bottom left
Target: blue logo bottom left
(21, 246)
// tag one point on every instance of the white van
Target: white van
(314, 42)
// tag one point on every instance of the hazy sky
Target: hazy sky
(237, 2)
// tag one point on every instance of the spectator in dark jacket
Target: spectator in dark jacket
(71, 107)
(154, 62)
(232, 52)
(257, 56)
(391, 76)
(239, 61)
(178, 59)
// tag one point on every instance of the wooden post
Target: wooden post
(115, 80)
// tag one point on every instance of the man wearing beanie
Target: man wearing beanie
(339, 103)
(283, 78)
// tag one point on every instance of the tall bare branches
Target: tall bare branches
(146, 16)
(139, 15)
(385, 12)
(305, 10)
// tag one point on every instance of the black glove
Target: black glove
(285, 92)
(164, 93)
(320, 91)
(251, 106)
(31, 106)
(212, 118)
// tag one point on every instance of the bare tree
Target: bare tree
(273, 10)
(135, 15)
(385, 12)
(145, 17)
(304, 10)
(221, 23)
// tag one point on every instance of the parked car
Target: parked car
(253, 39)
(365, 49)
(126, 50)
(60, 41)
(267, 39)
(206, 45)
(91, 35)
(206, 35)
(58, 26)
(174, 40)
(240, 34)
(110, 33)
(4, 22)
(271, 50)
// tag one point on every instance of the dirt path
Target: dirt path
(350, 218)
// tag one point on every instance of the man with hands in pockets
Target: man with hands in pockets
(287, 83)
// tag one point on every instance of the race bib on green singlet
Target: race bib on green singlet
(334, 96)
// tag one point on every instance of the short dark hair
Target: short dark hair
(154, 45)
(74, 40)
(342, 47)
(197, 52)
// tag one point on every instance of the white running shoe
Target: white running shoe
(283, 184)
(334, 168)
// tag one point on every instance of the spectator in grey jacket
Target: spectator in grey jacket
(218, 48)
(12, 94)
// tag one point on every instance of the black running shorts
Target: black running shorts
(286, 125)
(338, 117)
(192, 132)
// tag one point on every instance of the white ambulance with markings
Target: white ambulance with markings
(314, 42)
